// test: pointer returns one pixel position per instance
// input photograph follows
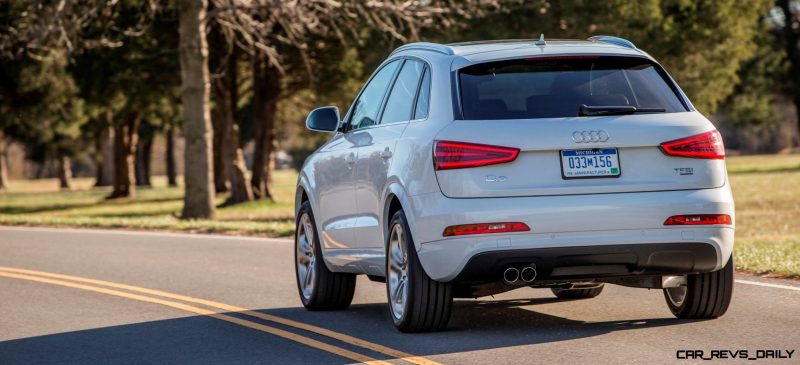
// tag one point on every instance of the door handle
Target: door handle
(386, 154)
(351, 158)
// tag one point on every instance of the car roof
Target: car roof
(466, 53)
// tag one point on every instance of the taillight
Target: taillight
(698, 219)
(707, 145)
(483, 228)
(458, 155)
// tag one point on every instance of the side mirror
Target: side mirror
(324, 119)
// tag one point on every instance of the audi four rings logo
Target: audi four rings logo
(589, 136)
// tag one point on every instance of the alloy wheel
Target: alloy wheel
(306, 260)
(398, 272)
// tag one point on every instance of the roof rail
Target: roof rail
(613, 40)
(426, 46)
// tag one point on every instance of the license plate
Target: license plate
(589, 163)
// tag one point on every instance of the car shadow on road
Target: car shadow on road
(187, 340)
(475, 325)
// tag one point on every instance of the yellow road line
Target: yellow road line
(419, 360)
(256, 326)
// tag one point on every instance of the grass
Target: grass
(766, 189)
(767, 194)
(38, 202)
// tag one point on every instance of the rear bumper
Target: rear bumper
(625, 230)
(591, 262)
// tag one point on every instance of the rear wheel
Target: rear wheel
(705, 295)
(319, 288)
(578, 293)
(417, 303)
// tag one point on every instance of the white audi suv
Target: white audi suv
(471, 169)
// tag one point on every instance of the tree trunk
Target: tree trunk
(266, 90)
(3, 162)
(797, 113)
(40, 167)
(219, 55)
(221, 181)
(199, 177)
(64, 172)
(172, 179)
(104, 155)
(791, 36)
(226, 96)
(143, 153)
(99, 175)
(125, 142)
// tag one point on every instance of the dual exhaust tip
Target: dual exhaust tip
(513, 275)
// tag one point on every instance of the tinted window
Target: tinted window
(368, 104)
(554, 88)
(401, 98)
(423, 99)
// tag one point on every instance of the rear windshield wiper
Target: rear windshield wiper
(590, 111)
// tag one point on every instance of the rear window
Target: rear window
(557, 87)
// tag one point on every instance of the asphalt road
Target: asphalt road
(256, 316)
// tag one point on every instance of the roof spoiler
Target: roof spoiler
(613, 40)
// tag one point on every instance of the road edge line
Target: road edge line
(768, 285)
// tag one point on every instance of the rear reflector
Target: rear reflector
(706, 145)
(483, 228)
(697, 219)
(458, 155)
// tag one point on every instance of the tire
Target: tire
(327, 290)
(580, 293)
(706, 295)
(419, 303)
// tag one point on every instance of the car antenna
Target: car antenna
(541, 41)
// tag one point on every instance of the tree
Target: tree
(791, 37)
(271, 30)
(117, 83)
(226, 89)
(102, 135)
(168, 112)
(3, 162)
(169, 156)
(38, 97)
(229, 165)
(751, 105)
(49, 115)
(260, 27)
(703, 44)
(266, 91)
(199, 176)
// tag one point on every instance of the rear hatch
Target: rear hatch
(616, 112)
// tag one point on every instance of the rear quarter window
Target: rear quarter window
(557, 87)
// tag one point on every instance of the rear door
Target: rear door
(376, 155)
(551, 111)
(362, 121)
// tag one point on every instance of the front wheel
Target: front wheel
(319, 288)
(706, 295)
(417, 303)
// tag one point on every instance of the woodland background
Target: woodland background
(213, 93)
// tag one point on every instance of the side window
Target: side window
(424, 96)
(401, 98)
(368, 104)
